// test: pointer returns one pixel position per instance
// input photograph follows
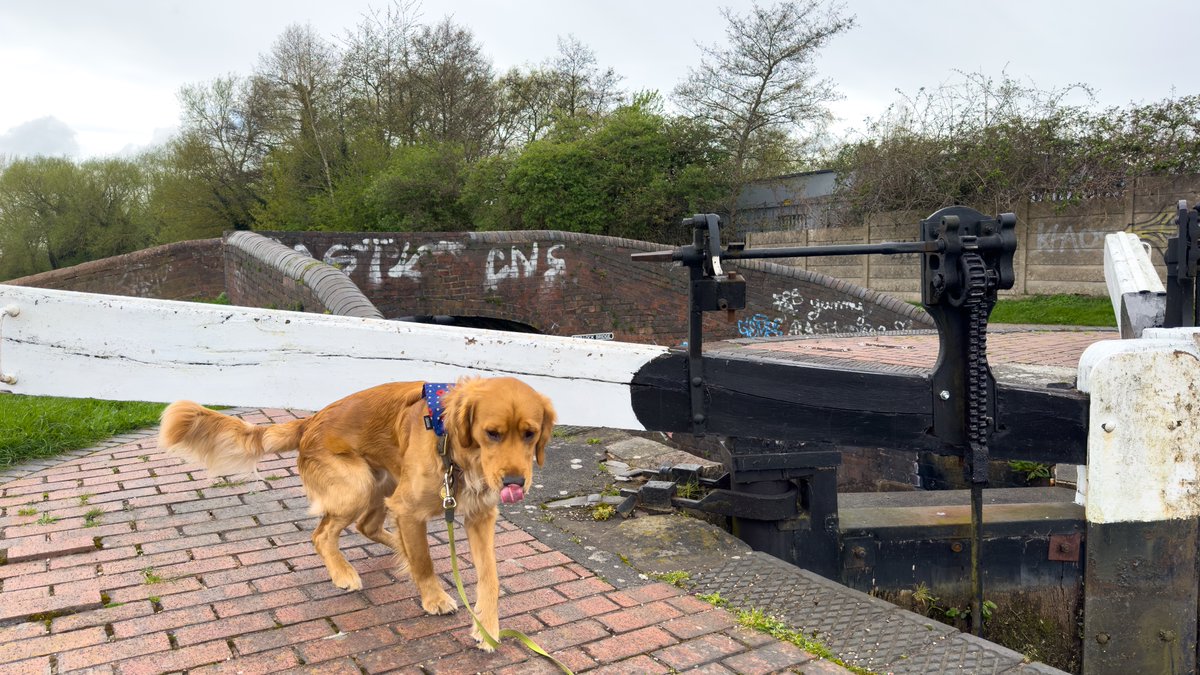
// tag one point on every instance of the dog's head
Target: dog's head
(499, 427)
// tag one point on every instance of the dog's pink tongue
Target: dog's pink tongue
(511, 494)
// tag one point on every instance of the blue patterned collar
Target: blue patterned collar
(434, 391)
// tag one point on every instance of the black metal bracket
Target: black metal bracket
(711, 289)
(1183, 259)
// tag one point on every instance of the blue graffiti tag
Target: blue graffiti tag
(760, 325)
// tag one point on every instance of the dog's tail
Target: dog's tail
(224, 445)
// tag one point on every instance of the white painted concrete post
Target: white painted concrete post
(1142, 501)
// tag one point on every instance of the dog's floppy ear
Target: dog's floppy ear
(548, 417)
(460, 414)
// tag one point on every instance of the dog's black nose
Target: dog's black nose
(515, 480)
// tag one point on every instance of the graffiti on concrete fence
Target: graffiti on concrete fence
(516, 265)
(383, 257)
(1059, 238)
(1156, 229)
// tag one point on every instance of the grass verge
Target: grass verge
(1059, 310)
(34, 427)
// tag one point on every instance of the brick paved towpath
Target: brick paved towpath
(120, 559)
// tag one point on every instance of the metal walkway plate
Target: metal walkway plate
(862, 630)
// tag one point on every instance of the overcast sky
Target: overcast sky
(88, 78)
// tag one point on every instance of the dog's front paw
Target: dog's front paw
(480, 642)
(441, 603)
(347, 579)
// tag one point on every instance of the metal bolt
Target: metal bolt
(696, 382)
(11, 310)
(859, 552)
(698, 418)
(957, 547)
(1064, 547)
(1108, 427)
(1167, 635)
(7, 378)
(944, 395)
(1102, 638)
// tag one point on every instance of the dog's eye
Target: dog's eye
(493, 436)
(529, 435)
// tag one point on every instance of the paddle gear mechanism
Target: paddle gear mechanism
(967, 258)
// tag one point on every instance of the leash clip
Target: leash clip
(448, 501)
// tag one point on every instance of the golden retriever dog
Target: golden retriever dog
(371, 453)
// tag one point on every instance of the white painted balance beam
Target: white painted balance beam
(1138, 298)
(84, 345)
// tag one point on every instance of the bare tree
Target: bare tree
(453, 83)
(210, 169)
(570, 86)
(582, 88)
(302, 69)
(375, 67)
(525, 106)
(761, 86)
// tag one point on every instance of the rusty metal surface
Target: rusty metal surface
(1065, 547)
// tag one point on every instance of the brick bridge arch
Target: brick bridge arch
(564, 283)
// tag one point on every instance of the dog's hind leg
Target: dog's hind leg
(341, 489)
(325, 540)
(371, 526)
(371, 523)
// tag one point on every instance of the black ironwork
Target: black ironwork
(958, 289)
(1183, 259)
(711, 289)
(967, 258)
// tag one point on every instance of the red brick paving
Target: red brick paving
(176, 574)
(1059, 348)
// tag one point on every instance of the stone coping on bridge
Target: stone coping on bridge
(332, 288)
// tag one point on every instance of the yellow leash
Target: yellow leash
(491, 641)
(449, 504)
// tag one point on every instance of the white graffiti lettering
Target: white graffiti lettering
(338, 256)
(406, 265)
(803, 316)
(385, 257)
(1059, 238)
(554, 264)
(521, 266)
